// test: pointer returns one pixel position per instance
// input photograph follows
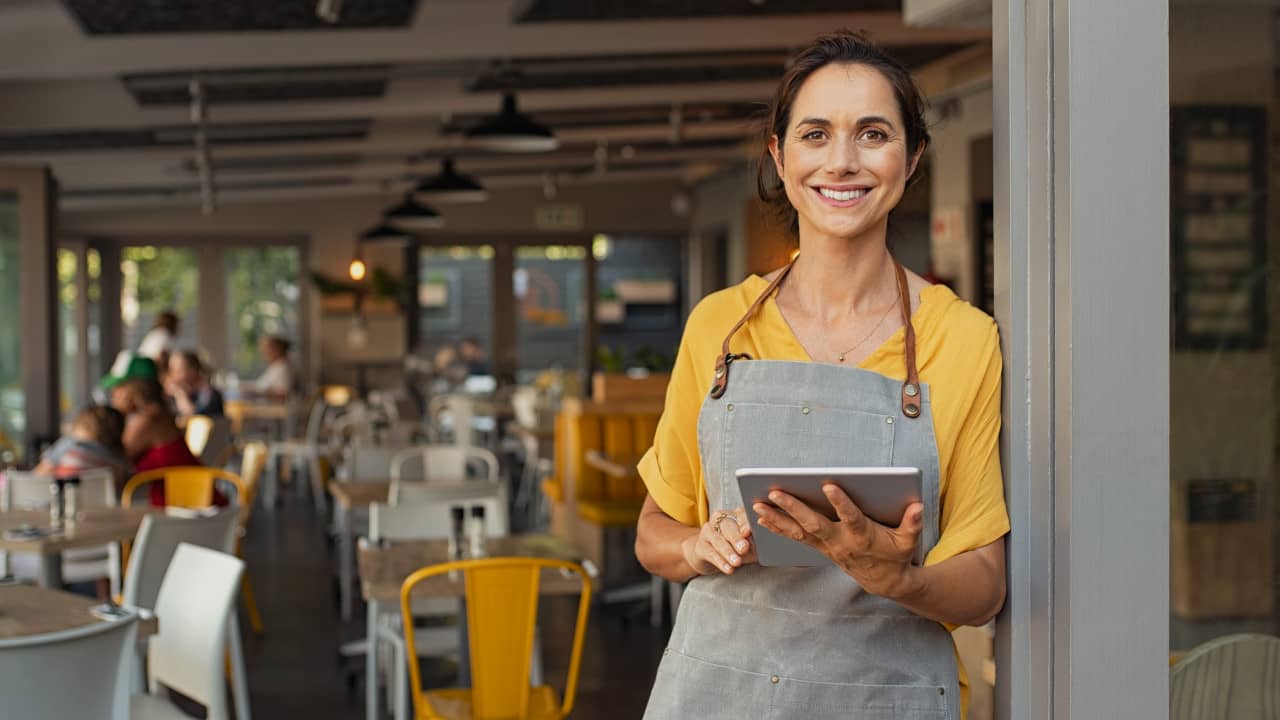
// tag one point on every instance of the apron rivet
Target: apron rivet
(888, 421)
(774, 679)
(730, 408)
(942, 691)
(719, 373)
(804, 411)
(911, 390)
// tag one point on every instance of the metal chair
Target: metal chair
(440, 464)
(1235, 677)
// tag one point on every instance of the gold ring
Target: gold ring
(719, 517)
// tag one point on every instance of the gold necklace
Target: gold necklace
(840, 356)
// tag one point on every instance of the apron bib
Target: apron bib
(784, 643)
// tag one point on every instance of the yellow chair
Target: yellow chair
(502, 612)
(189, 486)
(252, 463)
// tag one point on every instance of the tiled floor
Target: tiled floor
(294, 670)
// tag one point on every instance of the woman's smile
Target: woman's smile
(840, 196)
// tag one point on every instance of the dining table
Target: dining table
(385, 566)
(89, 527)
(27, 610)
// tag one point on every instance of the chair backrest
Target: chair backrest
(443, 464)
(82, 672)
(158, 539)
(454, 411)
(188, 486)
(368, 463)
(524, 404)
(194, 607)
(30, 491)
(426, 515)
(253, 461)
(502, 612)
(1236, 677)
(622, 437)
(198, 430)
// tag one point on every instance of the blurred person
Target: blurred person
(151, 436)
(94, 440)
(276, 381)
(473, 356)
(161, 338)
(187, 385)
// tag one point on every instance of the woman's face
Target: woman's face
(844, 160)
(122, 400)
(181, 372)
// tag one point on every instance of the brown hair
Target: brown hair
(104, 424)
(192, 359)
(168, 320)
(843, 47)
(145, 391)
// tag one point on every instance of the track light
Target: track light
(450, 186)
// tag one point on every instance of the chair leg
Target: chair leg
(251, 605)
(401, 682)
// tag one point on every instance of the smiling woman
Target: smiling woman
(766, 376)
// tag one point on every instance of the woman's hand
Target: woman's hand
(722, 545)
(878, 557)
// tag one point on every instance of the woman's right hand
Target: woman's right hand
(722, 545)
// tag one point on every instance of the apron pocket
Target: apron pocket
(796, 699)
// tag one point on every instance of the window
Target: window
(12, 399)
(155, 279)
(262, 300)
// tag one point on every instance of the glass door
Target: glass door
(548, 284)
(262, 296)
(12, 397)
(155, 280)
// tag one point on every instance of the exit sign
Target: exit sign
(559, 216)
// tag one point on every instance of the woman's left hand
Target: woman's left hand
(878, 557)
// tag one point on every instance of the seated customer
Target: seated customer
(188, 388)
(151, 437)
(276, 381)
(95, 441)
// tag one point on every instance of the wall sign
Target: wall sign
(1218, 202)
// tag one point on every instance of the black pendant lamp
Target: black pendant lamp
(384, 233)
(512, 131)
(450, 186)
(411, 215)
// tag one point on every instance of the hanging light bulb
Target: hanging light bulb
(356, 269)
(512, 131)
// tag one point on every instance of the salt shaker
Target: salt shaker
(475, 532)
(458, 515)
(57, 489)
(70, 498)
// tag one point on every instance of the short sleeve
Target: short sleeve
(672, 468)
(973, 507)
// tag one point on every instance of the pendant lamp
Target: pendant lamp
(450, 186)
(411, 215)
(384, 233)
(512, 131)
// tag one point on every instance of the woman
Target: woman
(159, 340)
(840, 359)
(187, 385)
(276, 381)
(151, 437)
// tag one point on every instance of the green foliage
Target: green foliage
(613, 360)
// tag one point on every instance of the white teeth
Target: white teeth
(843, 194)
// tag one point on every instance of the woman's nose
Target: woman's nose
(843, 157)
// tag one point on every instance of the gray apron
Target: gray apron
(807, 642)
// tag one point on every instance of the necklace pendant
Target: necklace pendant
(840, 358)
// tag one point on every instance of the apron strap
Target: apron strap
(720, 381)
(910, 387)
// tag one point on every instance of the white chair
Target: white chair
(194, 608)
(158, 540)
(429, 517)
(30, 491)
(1231, 678)
(441, 464)
(77, 673)
(218, 444)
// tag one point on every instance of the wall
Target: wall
(332, 224)
(961, 121)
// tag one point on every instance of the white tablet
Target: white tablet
(882, 493)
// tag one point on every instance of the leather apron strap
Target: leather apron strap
(910, 387)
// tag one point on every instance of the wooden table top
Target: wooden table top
(360, 494)
(383, 570)
(94, 526)
(28, 610)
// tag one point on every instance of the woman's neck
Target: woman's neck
(835, 277)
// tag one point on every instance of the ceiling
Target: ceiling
(295, 106)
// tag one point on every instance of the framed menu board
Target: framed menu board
(1218, 201)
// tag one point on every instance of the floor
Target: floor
(294, 671)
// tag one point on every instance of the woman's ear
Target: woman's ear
(915, 161)
(775, 149)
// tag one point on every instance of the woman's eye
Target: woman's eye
(813, 135)
(874, 135)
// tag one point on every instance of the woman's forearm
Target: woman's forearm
(660, 543)
(967, 589)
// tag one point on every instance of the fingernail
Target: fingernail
(727, 568)
(775, 496)
(734, 559)
(742, 546)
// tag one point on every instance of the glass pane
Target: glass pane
(69, 393)
(153, 280)
(455, 294)
(548, 285)
(1224, 360)
(12, 399)
(638, 303)
(262, 300)
(93, 261)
